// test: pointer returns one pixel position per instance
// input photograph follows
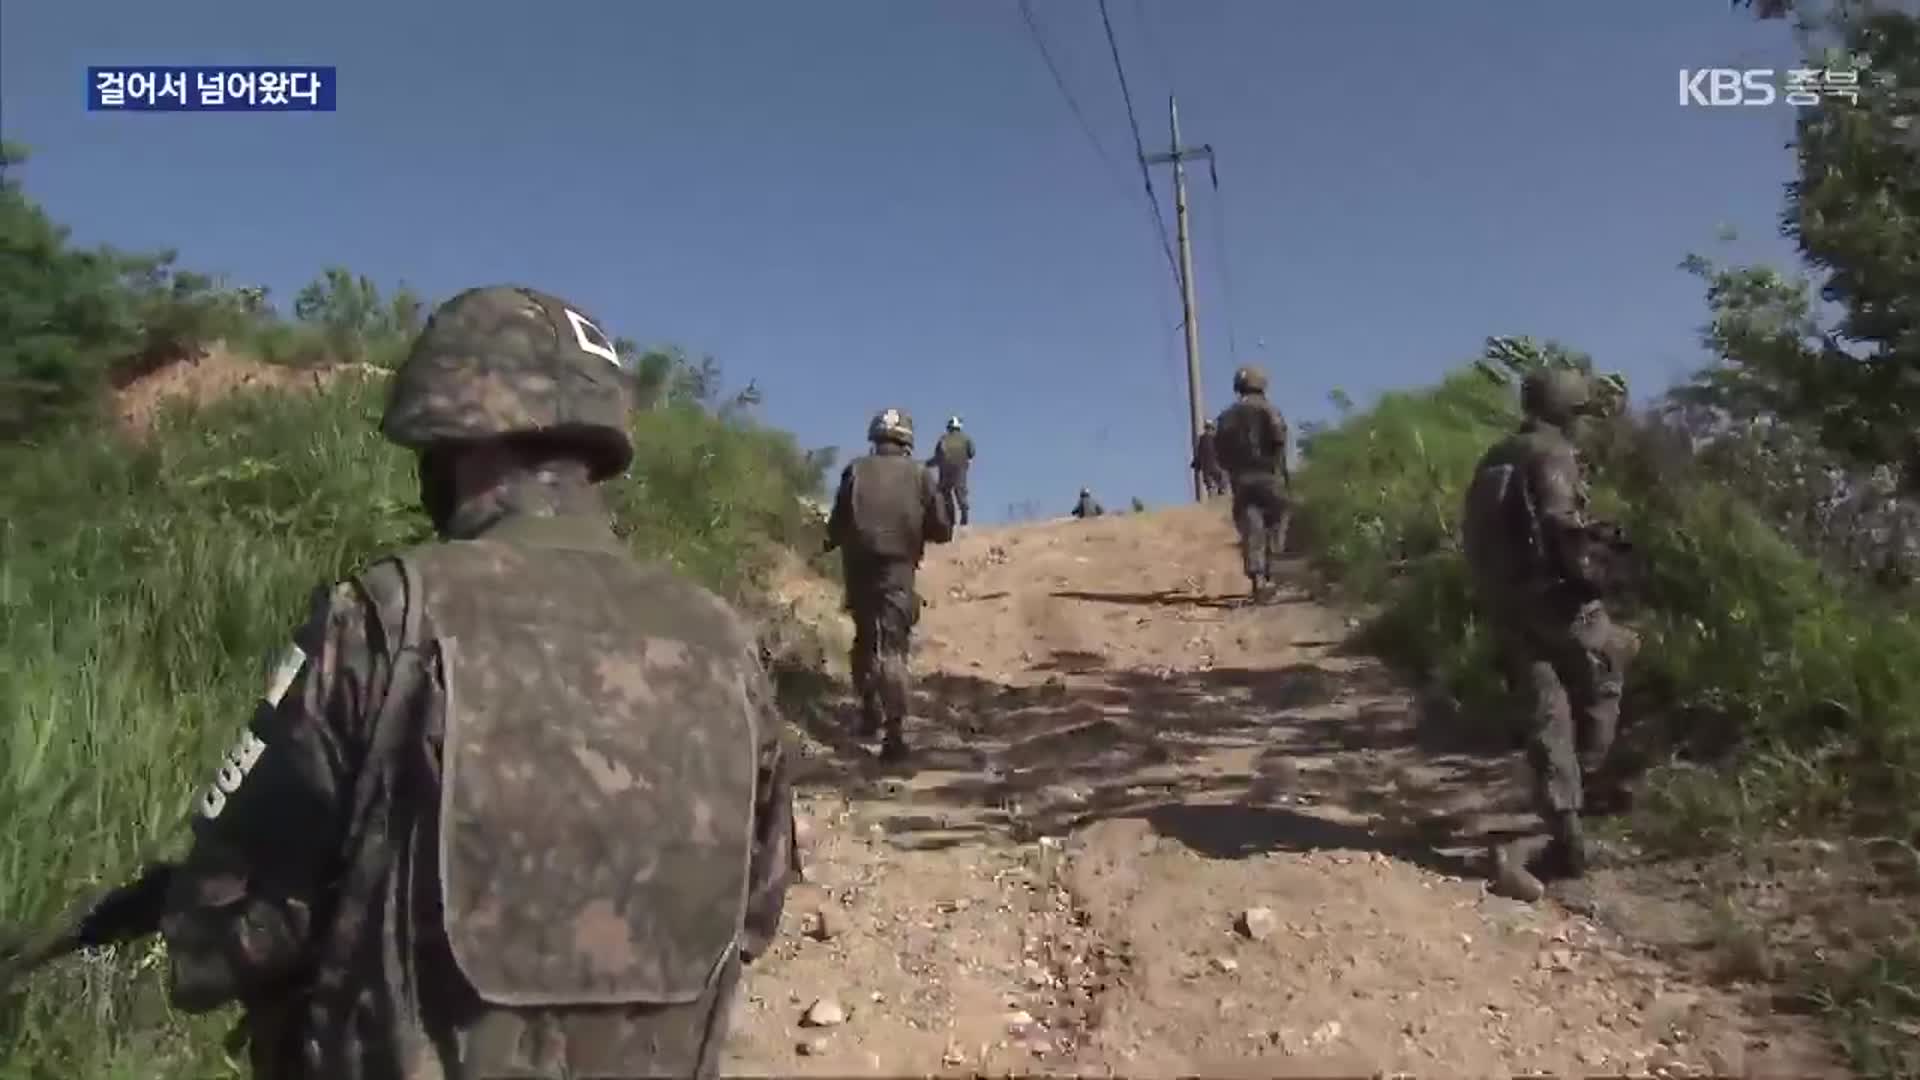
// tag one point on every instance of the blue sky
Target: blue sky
(862, 203)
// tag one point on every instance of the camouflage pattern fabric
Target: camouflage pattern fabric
(505, 360)
(881, 496)
(1571, 659)
(953, 460)
(1206, 461)
(1251, 437)
(888, 497)
(1525, 534)
(885, 607)
(953, 455)
(598, 777)
(1261, 513)
(359, 980)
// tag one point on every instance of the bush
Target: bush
(1742, 630)
(140, 589)
(1774, 693)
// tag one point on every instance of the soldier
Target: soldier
(1206, 460)
(887, 510)
(952, 458)
(1088, 506)
(1252, 445)
(1538, 567)
(514, 804)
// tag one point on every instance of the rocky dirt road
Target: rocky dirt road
(1151, 831)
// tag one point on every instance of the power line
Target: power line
(1226, 264)
(1139, 147)
(1060, 83)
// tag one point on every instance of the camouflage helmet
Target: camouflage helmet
(891, 425)
(953, 423)
(1249, 380)
(505, 360)
(1555, 395)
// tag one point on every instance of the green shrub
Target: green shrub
(1787, 694)
(141, 588)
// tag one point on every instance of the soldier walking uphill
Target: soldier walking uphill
(1206, 460)
(1252, 444)
(514, 804)
(952, 459)
(1088, 506)
(885, 513)
(1539, 570)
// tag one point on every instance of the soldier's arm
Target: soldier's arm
(969, 448)
(1280, 445)
(241, 910)
(841, 518)
(937, 522)
(776, 851)
(1559, 504)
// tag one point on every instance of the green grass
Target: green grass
(1797, 691)
(142, 591)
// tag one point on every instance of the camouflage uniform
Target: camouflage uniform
(885, 512)
(953, 459)
(1252, 444)
(1535, 568)
(515, 804)
(1088, 506)
(1206, 460)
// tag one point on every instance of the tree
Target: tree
(1853, 211)
(350, 313)
(65, 314)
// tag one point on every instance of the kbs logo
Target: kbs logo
(1727, 86)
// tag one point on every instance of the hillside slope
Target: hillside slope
(1152, 831)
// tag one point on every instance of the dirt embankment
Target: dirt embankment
(212, 374)
(1149, 831)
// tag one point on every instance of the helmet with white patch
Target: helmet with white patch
(891, 425)
(506, 360)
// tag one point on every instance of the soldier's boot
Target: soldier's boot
(1263, 589)
(893, 748)
(1509, 875)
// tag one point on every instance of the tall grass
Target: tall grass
(142, 589)
(1775, 696)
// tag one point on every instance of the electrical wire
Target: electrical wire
(1060, 83)
(1139, 146)
(1226, 264)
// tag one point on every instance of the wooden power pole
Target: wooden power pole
(1177, 155)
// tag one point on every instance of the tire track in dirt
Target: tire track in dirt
(1115, 761)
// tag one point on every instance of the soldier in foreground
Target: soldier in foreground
(885, 513)
(952, 459)
(1206, 460)
(1252, 444)
(1539, 570)
(1088, 506)
(514, 804)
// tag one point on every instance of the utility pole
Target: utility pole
(1178, 156)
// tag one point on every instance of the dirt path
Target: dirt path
(1151, 831)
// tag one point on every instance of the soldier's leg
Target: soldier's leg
(1279, 516)
(1555, 747)
(960, 496)
(1603, 650)
(864, 660)
(1251, 525)
(899, 610)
